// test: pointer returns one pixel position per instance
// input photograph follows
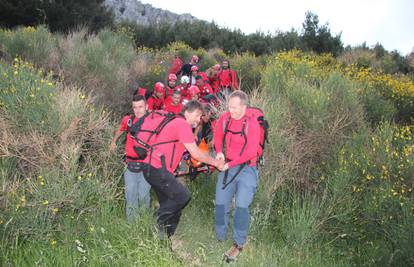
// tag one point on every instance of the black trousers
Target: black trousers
(172, 196)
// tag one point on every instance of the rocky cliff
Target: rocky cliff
(144, 14)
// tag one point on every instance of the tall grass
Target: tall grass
(60, 189)
(337, 184)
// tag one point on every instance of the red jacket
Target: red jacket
(228, 79)
(183, 90)
(176, 65)
(169, 107)
(155, 103)
(215, 83)
(239, 148)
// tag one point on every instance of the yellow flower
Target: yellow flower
(45, 202)
(55, 210)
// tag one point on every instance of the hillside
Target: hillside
(336, 189)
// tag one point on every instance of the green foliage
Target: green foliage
(58, 15)
(201, 34)
(376, 58)
(100, 63)
(372, 186)
(60, 187)
(36, 45)
(378, 108)
(27, 96)
(318, 38)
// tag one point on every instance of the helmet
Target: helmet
(193, 90)
(159, 87)
(185, 79)
(172, 77)
(194, 58)
(217, 67)
(194, 68)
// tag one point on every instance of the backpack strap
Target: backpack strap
(243, 133)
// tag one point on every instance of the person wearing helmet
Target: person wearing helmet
(156, 100)
(205, 88)
(194, 92)
(171, 84)
(186, 68)
(193, 75)
(183, 87)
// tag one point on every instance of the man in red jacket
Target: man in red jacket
(236, 141)
(227, 78)
(173, 104)
(176, 137)
(205, 88)
(156, 100)
(137, 190)
(171, 84)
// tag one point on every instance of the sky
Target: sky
(388, 22)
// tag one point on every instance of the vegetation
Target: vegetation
(59, 15)
(337, 188)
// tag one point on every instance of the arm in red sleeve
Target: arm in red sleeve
(234, 79)
(218, 135)
(150, 103)
(250, 151)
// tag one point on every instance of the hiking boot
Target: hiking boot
(232, 253)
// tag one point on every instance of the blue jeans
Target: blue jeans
(242, 188)
(137, 193)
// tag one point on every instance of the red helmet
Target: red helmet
(193, 90)
(194, 58)
(194, 68)
(172, 77)
(159, 87)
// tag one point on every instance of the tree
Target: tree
(59, 15)
(318, 38)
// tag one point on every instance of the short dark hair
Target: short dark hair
(192, 106)
(137, 98)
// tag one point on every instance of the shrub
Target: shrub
(36, 45)
(372, 198)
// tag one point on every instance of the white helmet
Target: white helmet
(185, 79)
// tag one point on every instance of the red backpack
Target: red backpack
(145, 131)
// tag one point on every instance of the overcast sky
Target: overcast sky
(389, 22)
